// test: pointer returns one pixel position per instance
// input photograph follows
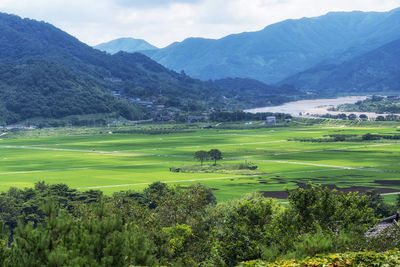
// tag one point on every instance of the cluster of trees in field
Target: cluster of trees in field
(362, 117)
(223, 116)
(376, 104)
(53, 225)
(348, 138)
(390, 117)
(370, 136)
(213, 154)
(343, 116)
(330, 138)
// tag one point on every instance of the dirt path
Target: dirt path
(84, 168)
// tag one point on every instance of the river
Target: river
(311, 108)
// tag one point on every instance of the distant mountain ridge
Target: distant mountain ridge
(282, 49)
(129, 45)
(373, 72)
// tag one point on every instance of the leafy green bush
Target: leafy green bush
(348, 259)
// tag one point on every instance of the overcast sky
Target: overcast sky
(162, 22)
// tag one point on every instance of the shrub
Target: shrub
(349, 259)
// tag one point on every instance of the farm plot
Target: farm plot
(115, 162)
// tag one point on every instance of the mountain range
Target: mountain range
(283, 49)
(373, 72)
(47, 73)
(129, 45)
(44, 72)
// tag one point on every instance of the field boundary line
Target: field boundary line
(167, 182)
(170, 138)
(331, 149)
(237, 144)
(95, 151)
(82, 168)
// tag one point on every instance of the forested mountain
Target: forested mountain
(40, 88)
(256, 93)
(129, 45)
(375, 71)
(47, 73)
(44, 72)
(283, 49)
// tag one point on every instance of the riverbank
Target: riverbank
(312, 108)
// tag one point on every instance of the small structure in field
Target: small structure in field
(271, 120)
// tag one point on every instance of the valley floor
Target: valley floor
(115, 162)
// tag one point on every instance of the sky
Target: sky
(162, 22)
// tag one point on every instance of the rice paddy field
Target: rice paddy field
(114, 162)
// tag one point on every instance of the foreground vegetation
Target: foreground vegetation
(349, 259)
(176, 226)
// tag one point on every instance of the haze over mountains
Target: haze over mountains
(129, 45)
(284, 49)
(372, 72)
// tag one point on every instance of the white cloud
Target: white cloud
(164, 21)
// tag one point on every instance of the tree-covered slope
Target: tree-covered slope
(283, 49)
(64, 66)
(257, 93)
(375, 71)
(39, 88)
(129, 45)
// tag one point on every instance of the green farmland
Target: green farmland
(115, 162)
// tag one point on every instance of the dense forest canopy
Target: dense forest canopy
(54, 225)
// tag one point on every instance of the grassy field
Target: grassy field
(115, 162)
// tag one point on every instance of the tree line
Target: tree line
(54, 225)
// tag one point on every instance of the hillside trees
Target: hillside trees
(57, 91)
(97, 239)
(243, 229)
(174, 225)
(313, 207)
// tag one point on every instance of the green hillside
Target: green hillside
(282, 49)
(373, 72)
(40, 88)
